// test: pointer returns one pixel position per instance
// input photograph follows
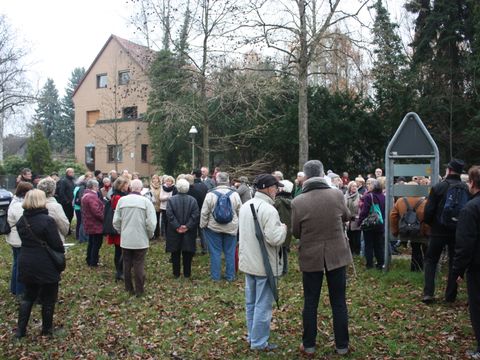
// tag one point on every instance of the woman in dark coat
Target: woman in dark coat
(35, 267)
(374, 238)
(183, 217)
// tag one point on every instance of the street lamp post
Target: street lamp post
(193, 131)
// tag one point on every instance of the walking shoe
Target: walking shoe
(472, 354)
(427, 299)
(268, 347)
(343, 351)
(308, 352)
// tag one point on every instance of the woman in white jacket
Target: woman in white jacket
(15, 212)
(55, 210)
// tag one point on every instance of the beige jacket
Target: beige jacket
(206, 216)
(135, 219)
(55, 211)
(15, 212)
(274, 232)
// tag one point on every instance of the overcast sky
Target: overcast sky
(63, 34)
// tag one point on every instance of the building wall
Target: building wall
(111, 128)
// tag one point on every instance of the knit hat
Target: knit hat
(456, 165)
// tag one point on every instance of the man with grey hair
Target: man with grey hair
(209, 183)
(318, 215)
(299, 183)
(92, 219)
(135, 219)
(221, 231)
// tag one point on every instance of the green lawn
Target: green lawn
(200, 319)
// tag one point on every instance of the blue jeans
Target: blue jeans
(312, 286)
(16, 287)
(218, 242)
(258, 306)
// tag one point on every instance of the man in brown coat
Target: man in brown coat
(318, 217)
(418, 242)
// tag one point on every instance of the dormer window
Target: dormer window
(101, 81)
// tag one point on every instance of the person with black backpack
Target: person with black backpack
(444, 203)
(219, 221)
(467, 254)
(406, 223)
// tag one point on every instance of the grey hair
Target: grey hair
(313, 168)
(136, 185)
(106, 180)
(222, 178)
(182, 186)
(92, 183)
(48, 186)
(376, 185)
(278, 174)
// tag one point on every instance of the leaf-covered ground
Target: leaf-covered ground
(201, 319)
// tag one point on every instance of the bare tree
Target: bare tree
(297, 29)
(205, 31)
(15, 90)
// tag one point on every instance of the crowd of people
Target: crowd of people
(252, 225)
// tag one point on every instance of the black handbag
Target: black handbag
(108, 213)
(374, 218)
(57, 257)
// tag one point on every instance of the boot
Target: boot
(47, 319)
(24, 311)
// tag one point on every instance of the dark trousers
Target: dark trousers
(312, 286)
(118, 261)
(46, 293)
(203, 241)
(285, 251)
(134, 259)
(434, 251)
(187, 263)
(156, 234)
(16, 287)
(68, 209)
(163, 226)
(93, 248)
(78, 215)
(354, 241)
(418, 252)
(473, 288)
(374, 244)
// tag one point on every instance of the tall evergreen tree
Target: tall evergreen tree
(64, 131)
(389, 71)
(38, 151)
(441, 49)
(48, 111)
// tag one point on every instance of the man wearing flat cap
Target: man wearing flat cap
(441, 235)
(258, 292)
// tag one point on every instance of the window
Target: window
(130, 112)
(144, 153)
(123, 77)
(115, 153)
(102, 81)
(92, 117)
(90, 156)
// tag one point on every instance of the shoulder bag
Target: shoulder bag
(57, 257)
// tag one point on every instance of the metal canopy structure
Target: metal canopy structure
(411, 152)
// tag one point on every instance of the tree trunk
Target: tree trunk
(203, 88)
(302, 88)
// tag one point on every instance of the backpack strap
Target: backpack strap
(419, 202)
(217, 193)
(409, 208)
